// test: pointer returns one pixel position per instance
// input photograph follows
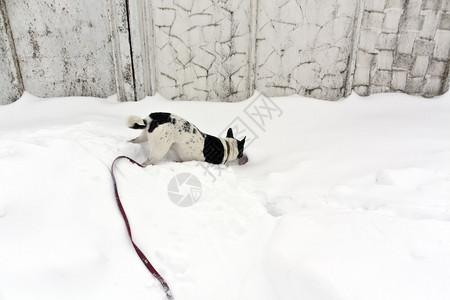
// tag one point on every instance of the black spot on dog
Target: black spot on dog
(153, 125)
(213, 150)
(137, 126)
(173, 121)
(159, 118)
(187, 126)
(194, 131)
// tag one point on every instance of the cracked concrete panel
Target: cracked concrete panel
(142, 48)
(119, 20)
(201, 49)
(10, 81)
(410, 50)
(64, 47)
(304, 47)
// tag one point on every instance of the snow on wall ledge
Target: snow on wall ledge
(221, 50)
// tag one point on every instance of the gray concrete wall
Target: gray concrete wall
(403, 47)
(222, 50)
(305, 47)
(10, 81)
(201, 49)
(64, 47)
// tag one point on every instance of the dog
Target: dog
(164, 131)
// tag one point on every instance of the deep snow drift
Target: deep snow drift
(339, 200)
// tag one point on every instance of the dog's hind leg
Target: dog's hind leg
(158, 148)
(140, 139)
(156, 153)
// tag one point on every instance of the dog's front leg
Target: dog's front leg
(147, 163)
(140, 139)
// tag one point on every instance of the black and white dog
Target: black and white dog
(164, 131)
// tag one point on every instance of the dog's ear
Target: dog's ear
(240, 146)
(230, 133)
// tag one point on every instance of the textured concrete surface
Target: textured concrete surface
(142, 54)
(201, 49)
(11, 85)
(121, 51)
(304, 47)
(222, 50)
(403, 47)
(64, 47)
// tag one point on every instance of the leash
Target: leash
(141, 255)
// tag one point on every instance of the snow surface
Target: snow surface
(339, 200)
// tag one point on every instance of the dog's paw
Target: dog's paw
(134, 141)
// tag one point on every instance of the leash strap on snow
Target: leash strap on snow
(141, 255)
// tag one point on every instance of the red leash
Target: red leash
(138, 251)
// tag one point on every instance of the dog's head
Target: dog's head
(240, 144)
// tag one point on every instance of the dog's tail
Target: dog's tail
(136, 122)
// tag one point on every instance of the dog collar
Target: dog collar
(228, 151)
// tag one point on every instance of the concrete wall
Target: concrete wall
(63, 47)
(403, 47)
(305, 47)
(201, 49)
(10, 81)
(221, 50)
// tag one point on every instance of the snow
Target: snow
(339, 200)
